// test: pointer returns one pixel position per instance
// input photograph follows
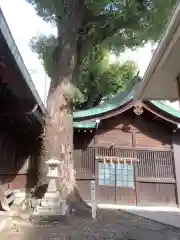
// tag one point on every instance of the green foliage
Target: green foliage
(112, 25)
(99, 79)
(48, 10)
(45, 46)
(74, 96)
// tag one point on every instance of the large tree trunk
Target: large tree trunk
(58, 143)
(58, 134)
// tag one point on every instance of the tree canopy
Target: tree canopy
(101, 79)
(115, 24)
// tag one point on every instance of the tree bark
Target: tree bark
(58, 130)
(58, 144)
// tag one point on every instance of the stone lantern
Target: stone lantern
(53, 165)
(53, 175)
(52, 203)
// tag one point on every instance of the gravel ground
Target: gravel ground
(114, 224)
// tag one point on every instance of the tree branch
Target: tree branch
(98, 29)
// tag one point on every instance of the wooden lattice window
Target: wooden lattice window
(119, 174)
(125, 175)
(107, 173)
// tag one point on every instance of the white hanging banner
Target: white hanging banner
(111, 159)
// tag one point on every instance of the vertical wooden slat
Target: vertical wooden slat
(155, 164)
(152, 164)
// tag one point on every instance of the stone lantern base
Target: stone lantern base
(52, 204)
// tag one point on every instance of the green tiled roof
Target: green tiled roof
(107, 106)
(164, 107)
(85, 125)
(115, 103)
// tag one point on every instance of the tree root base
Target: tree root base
(77, 204)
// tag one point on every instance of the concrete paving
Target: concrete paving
(165, 215)
(126, 207)
(169, 218)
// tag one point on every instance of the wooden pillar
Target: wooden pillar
(178, 88)
(176, 149)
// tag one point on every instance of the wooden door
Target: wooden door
(116, 184)
(125, 185)
(106, 183)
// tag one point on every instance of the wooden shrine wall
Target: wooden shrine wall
(130, 130)
(17, 166)
(127, 131)
(129, 135)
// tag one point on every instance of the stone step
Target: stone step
(53, 209)
(52, 194)
(51, 202)
(49, 210)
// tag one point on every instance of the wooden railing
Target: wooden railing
(151, 164)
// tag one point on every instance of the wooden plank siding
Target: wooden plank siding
(151, 165)
(149, 141)
(150, 194)
(114, 137)
(18, 163)
(145, 137)
(127, 131)
(154, 176)
(157, 165)
(84, 163)
(176, 150)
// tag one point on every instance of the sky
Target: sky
(25, 24)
